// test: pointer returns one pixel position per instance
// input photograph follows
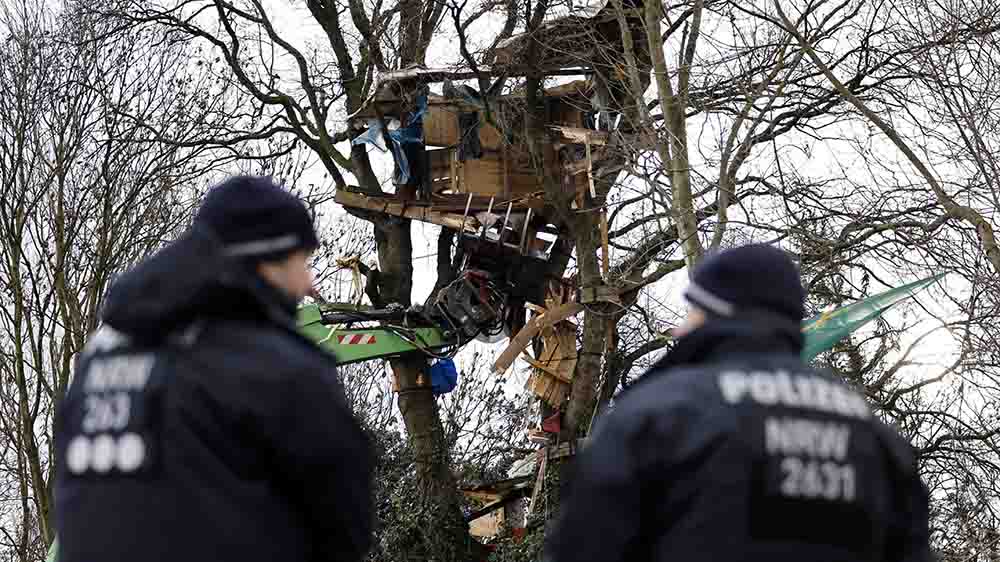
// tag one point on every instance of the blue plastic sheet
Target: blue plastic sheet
(372, 136)
(411, 134)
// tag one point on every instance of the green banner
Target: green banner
(823, 331)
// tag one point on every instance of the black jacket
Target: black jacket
(733, 449)
(201, 426)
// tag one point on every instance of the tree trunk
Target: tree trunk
(445, 532)
(595, 333)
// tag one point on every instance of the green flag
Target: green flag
(822, 332)
(53, 552)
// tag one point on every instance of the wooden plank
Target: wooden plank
(565, 449)
(548, 370)
(455, 202)
(439, 170)
(441, 126)
(486, 526)
(556, 364)
(539, 482)
(582, 88)
(567, 114)
(454, 180)
(548, 388)
(576, 135)
(481, 496)
(454, 221)
(484, 176)
(522, 339)
(590, 171)
(489, 176)
(534, 307)
(486, 510)
(511, 496)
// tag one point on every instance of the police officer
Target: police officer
(200, 426)
(731, 448)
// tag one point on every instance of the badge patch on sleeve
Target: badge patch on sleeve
(112, 415)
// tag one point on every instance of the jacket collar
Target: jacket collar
(723, 339)
(187, 280)
(275, 304)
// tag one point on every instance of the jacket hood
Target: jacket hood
(188, 279)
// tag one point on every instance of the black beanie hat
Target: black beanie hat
(257, 220)
(756, 277)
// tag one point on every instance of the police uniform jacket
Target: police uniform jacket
(200, 426)
(733, 449)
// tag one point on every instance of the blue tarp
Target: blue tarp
(411, 134)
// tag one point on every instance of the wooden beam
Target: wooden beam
(540, 481)
(576, 135)
(454, 221)
(590, 171)
(482, 496)
(487, 509)
(522, 339)
(545, 368)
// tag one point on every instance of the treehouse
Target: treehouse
(468, 161)
(461, 160)
(465, 151)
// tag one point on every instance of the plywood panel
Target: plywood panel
(548, 388)
(488, 525)
(440, 169)
(486, 176)
(441, 127)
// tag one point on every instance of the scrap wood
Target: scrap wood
(590, 170)
(534, 307)
(553, 452)
(577, 135)
(547, 369)
(565, 449)
(450, 202)
(559, 355)
(505, 499)
(554, 368)
(487, 497)
(540, 480)
(549, 389)
(522, 339)
(453, 221)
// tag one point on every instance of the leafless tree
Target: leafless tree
(84, 193)
(857, 135)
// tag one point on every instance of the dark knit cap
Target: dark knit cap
(257, 220)
(754, 277)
